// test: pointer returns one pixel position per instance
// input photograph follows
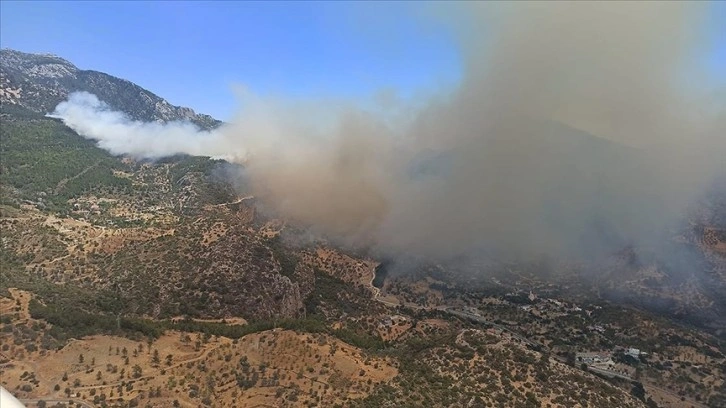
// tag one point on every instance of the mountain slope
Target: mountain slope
(40, 81)
(200, 282)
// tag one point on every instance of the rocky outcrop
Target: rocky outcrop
(39, 82)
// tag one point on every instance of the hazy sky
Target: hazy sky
(191, 53)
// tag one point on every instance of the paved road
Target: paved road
(609, 373)
(481, 319)
(459, 313)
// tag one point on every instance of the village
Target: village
(592, 336)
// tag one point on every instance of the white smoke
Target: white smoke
(117, 133)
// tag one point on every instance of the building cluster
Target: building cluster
(603, 362)
(542, 305)
(600, 359)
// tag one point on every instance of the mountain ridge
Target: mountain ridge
(39, 82)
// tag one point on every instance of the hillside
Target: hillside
(166, 283)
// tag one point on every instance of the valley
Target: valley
(167, 283)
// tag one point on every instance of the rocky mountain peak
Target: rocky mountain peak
(39, 82)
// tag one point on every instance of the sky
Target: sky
(195, 53)
(718, 56)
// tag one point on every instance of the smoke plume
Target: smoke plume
(115, 132)
(576, 128)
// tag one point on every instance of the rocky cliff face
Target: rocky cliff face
(40, 81)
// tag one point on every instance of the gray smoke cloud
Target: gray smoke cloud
(506, 161)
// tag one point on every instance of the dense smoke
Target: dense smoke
(118, 134)
(507, 161)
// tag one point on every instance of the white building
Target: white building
(633, 352)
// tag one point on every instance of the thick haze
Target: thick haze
(506, 161)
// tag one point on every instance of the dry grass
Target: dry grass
(342, 266)
(273, 368)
